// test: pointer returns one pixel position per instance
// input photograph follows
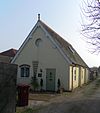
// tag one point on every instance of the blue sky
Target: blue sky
(17, 17)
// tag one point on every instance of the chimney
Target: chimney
(38, 16)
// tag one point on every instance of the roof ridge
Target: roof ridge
(53, 31)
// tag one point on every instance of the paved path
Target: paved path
(82, 100)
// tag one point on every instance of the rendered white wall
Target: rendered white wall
(47, 55)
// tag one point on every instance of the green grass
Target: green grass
(29, 110)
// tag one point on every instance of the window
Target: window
(24, 70)
(75, 77)
(75, 74)
(82, 73)
(71, 49)
(38, 42)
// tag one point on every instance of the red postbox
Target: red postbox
(23, 94)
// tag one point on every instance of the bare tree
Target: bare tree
(91, 23)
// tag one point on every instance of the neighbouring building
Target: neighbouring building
(94, 73)
(5, 59)
(7, 56)
(99, 70)
(46, 55)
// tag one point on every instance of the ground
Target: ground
(85, 99)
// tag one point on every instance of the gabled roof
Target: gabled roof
(64, 46)
(10, 52)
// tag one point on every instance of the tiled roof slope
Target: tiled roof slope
(10, 52)
(65, 46)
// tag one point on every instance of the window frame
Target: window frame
(38, 42)
(24, 70)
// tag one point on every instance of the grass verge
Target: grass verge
(28, 110)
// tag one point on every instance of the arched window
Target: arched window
(24, 70)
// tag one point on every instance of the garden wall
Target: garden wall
(8, 75)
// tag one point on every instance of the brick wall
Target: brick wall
(8, 75)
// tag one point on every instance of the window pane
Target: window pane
(22, 72)
(75, 77)
(27, 72)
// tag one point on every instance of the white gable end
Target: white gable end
(30, 36)
(31, 50)
(43, 51)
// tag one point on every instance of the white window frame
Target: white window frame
(24, 70)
